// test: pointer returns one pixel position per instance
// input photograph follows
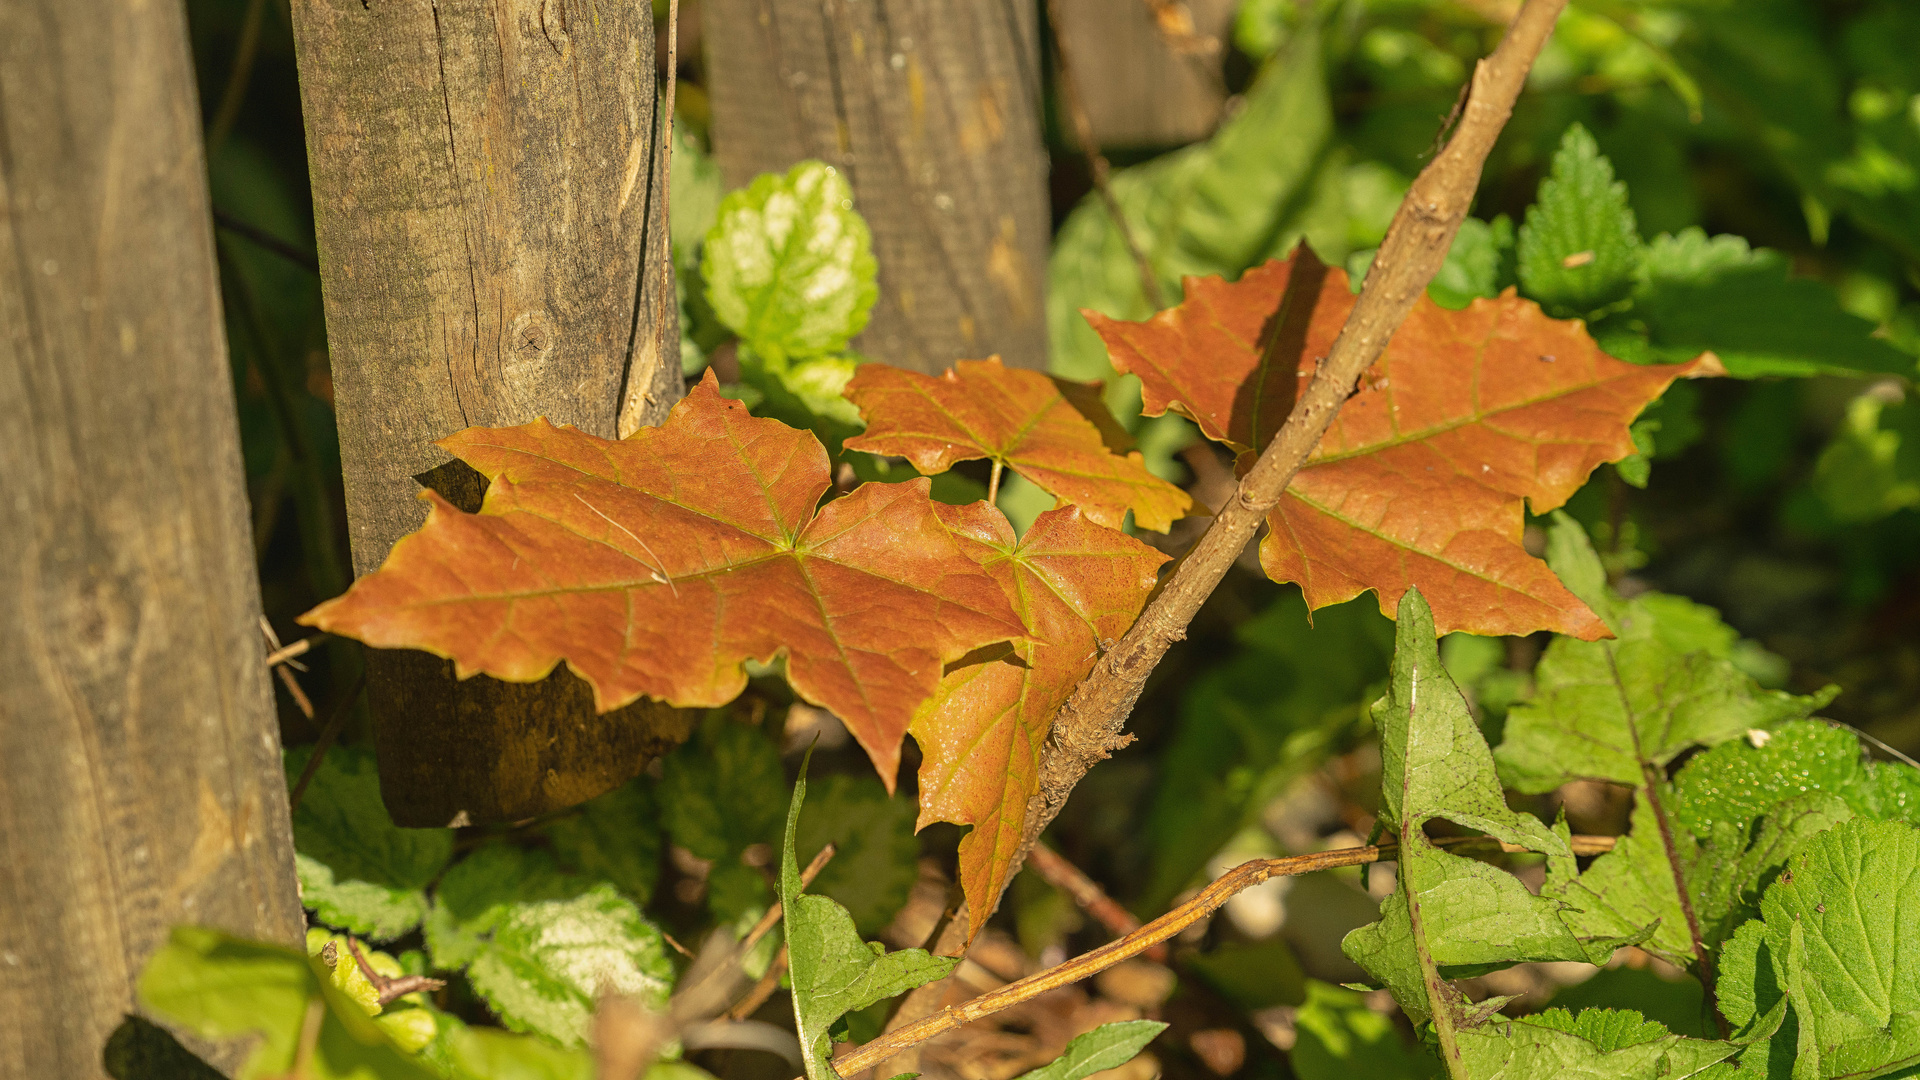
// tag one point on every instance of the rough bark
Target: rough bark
(1142, 86)
(140, 778)
(489, 215)
(931, 108)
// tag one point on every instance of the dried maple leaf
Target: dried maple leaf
(1078, 585)
(1423, 477)
(1020, 419)
(656, 565)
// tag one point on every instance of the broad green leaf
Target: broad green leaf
(720, 794)
(614, 838)
(1615, 1046)
(1453, 912)
(1678, 1003)
(490, 1054)
(475, 894)
(789, 265)
(1579, 247)
(1695, 294)
(1739, 780)
(874, 862)
(1477, 265)
(220, 987)
(833, 971)
(1872, 466)
(1108, 1046)
(1337, 1037)
(695, 188)
(358, 871)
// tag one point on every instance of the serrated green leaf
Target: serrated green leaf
(474, 895)
(1579, 247)
(875, 859)
(1108, 1046)
(1739, 780)
(613, 838)
(358, 871)
(220, 987)
(1617, 1047)
(1678, 1003)
(1337, 1037)
(834, 972)
(721, 791)
(1477, 265)
(789, 265)
(1695, 294)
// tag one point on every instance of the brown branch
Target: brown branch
(1223, 888)
(1087, 893)
(1096, 161)
(1087, 728)
(282, 654)
(762, 990)
(328, 732)
(391, 989)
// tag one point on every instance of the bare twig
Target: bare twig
(284, 653)
(1241, 877)
(762, 990)
(1096, 161)
(1088, 728)
(328, 732)
(391, 989)
(1086, 892)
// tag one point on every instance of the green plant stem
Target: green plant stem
(1439, 994)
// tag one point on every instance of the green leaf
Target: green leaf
(1739, 780)
(695, 188)
(1695, 294)
(1872, 466)
(1579, 247)
(833, 971)
(611, 838)
(1108, 1046)
(1616, 1046)
(358, 871)
(490, 1054)
(875, 860)
(1678, 1003)
(1477, 265)
(789, 265)
(721, 791)
(1337, 1037)
(1252, 974)
(220, 987)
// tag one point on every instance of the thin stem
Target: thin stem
(1088, 728)
(1096, 161)
(1069, 879)
(762, 990)
(1224, 888)
(237, 77)
(993, 484)
(328, 732)
(1439, 994)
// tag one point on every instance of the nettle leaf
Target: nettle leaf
(1338, 1037)
(833, 971)
(1078, 586)
(359, 871)
(1452, 912)
(1620, 1046)
(1622, 710)
(1019, 419)
(874, 864)
(1579, 246)
(1695, 294)
(1742, 779)
(721, 792)
(613, 838)
(1841, 931)
(220, 987)
(540, 947)
(1469, 417)
(1108, 1046)
(1477, 263)
(788, 264)
(659, 564)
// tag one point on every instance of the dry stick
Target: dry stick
(1087, 893)
(1087, 728)
(299, 648)
(389, 989)
(1244, 876)
(328, 733)
(1096, 161)
(762, 990)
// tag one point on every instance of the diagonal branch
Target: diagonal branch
(1088, 728)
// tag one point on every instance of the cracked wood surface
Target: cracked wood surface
(489, 210)
(932, 109)
(140, 778)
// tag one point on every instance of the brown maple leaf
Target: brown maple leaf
(656, 565)
(1019, 419)
(1423, 478)
(1077, 584)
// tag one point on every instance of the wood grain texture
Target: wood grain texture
(487, 189)
(140, 778)
(1139, 89)
(931, 107)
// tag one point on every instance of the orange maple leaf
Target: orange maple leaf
(656, 565)
(1078, 585)
(1423, 478)
(1020, 419)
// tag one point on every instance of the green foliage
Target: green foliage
(1337, 1037)
(720, 793)
(1619, 1047)
(1108, 1046)
(357, 870)
(615, 838)
(834, 972)
(873, 867)
(1579, 246)
(1872, 466)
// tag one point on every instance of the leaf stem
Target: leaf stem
(1439, 995)
(993, 484)
(1223, 888)
(1088, 727)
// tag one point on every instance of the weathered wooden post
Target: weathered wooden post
(932, 109)
(140, 778)
(489, 213)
